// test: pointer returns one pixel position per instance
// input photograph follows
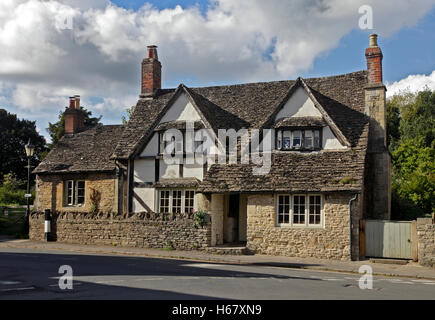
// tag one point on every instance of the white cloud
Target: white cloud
(413, 83)
(233, 41)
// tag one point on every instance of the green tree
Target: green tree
(57, 130)
(14, 135)
(411, 125)
(129, 115)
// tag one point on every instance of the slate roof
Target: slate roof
(253, 105)
(324, 171)
(242, 105)
(86, 151)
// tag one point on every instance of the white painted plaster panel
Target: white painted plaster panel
(144, 170)
(330, 141)
(193, 171)
(147, 195)
(181, 110)
(152, 148)
(299, 105)
(169, 171)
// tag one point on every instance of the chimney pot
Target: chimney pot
(77, 101)
(373, 40)
(152, 52)
(72, 102)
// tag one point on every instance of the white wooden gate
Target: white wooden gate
(388, 239)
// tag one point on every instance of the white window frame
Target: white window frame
(307, 212)
(171, 198)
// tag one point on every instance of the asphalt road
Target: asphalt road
(34, 274)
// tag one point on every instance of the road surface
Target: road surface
(34, 274)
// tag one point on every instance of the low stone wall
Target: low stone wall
(135, 230)
(426, 242)
(330, 242)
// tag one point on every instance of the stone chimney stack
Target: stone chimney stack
(74, 117)
(151, 73)
(378, 192)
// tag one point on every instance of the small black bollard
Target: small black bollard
(47, 224)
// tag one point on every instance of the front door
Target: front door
(232, 224)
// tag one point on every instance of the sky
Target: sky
(53, 49)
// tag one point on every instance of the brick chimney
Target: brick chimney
(378, 184)
(151, 73)
(374, 60)
(74, 118)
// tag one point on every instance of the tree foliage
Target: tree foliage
(411, 125)
(14, 135)
(57, 130)
(129, 112)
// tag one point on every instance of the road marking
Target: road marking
(18, 289)
(432, 283)
(9, 282)
(56, 285)
(332, 279)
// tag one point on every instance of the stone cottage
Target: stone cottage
(328, 166)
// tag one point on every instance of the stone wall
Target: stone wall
(50, 192)
(426, 241)
(330, 242)
(134, 230)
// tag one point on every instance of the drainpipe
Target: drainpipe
(350, 224)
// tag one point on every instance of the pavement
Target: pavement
(380, 268)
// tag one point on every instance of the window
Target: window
(315, 210)
(74, 193)
(298, 139)
(164, 201)
(308, 139)
(283, 209)
(286, 140)
(176, 201)
(300, 210)
(316, 139)
(189, 199)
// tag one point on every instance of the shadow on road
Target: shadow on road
(39, 270)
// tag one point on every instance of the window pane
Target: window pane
(176, 201)
(189, 197)
(70, 195)
(299, 210)
(164, 201)
(308, 141)
(284, 209)
(316, 139)
(80, 192)
(315, 210)
(286, 140)
(279, 140)
(297, 139)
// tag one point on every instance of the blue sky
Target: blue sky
(199, 45)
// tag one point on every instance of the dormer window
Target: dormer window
(298, 139)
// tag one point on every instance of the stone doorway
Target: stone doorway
(229, 219)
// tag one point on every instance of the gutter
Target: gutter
(350, 224)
